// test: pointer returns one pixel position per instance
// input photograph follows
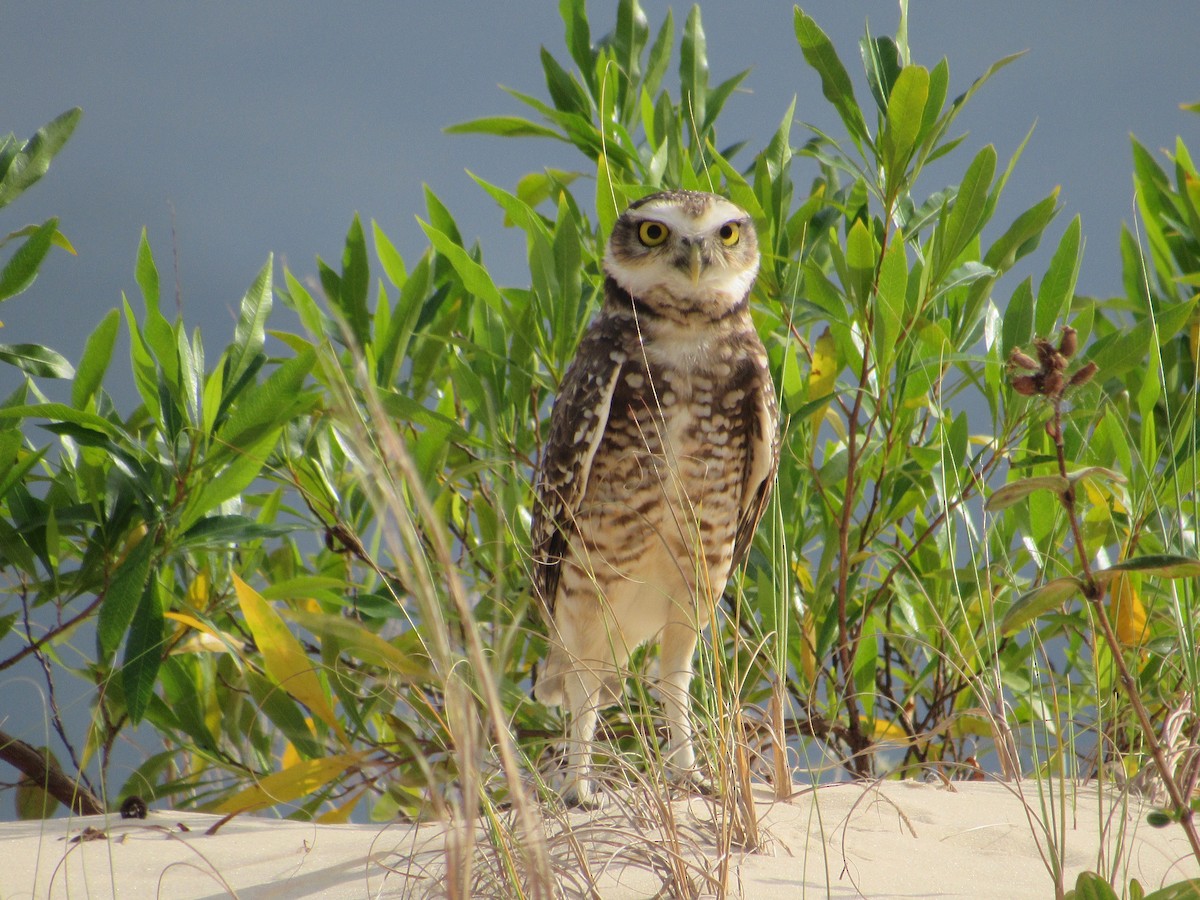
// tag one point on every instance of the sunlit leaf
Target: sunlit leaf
(1058, 287)
(22, 267)
(361, 643)
(36, 360)
(33, 159)
(290, 784)
(143, 652)
(1126, 610)
(1010, 493)
(250, 333)
(1164, 565)
(819, 51)
(283, 657)
(122, 597)
(1040, 600)
(97, 354)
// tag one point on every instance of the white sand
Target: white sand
(896, 839)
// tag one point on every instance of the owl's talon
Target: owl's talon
(583, 798)
(696, 781)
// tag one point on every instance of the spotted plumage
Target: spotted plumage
(659, 460)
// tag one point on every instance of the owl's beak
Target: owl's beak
(695, 263)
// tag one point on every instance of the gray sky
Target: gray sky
(233, 130)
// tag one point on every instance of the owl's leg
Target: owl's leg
(583, 688)
(678, 644)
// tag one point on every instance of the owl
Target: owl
(661, 453)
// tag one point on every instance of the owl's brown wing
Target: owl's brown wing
(762, 459)
(577, 426)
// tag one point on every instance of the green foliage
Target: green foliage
(236, 533)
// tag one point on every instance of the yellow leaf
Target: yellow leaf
(283, 657)
(207, 639)
(823, 375)
(1194, 337)
(340, 815)
(1125, 608)
(289, 784)
(808, 643)
(889, 731)
(291, 755)
(198, 592)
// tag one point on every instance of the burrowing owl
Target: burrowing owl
(660, 458)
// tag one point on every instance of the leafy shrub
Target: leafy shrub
(306, 568)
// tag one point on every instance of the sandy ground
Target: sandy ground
(896, 839)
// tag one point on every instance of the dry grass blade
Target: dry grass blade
(396, 491)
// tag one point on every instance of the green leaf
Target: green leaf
(249, 335)
(363, 644)
(693, 70)
(819, 52)
(389, 257)
(629, 39)
(219, 485)
(967, 216)
(475, 278)
(564, 90)
(31, 162)
(60, 412)
(1090, 886)
(1058, 286)
(266, 406)
(284, 713)
(905, 109)
(143, 652)
(861, 251)
(578, 35)
(1006, 496)
(22, 267)
(224, 532)
(1023, 235)
(504, 126)
(1163, 565)
(146, 273)
(1117, 353)
(355, 283)
(1180, 890)
(660, 55)
(123, 597)
(36, 360)
(93, 364)
(882, 63)
(1040, 600)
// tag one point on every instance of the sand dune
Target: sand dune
(895, 839)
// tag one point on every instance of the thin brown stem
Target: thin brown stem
(1094, 592)
(41, 769)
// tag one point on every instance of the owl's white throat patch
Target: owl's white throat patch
(718, 286)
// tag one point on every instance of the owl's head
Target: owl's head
(691, 245)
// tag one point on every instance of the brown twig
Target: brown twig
(1048, 379)
(42, 770)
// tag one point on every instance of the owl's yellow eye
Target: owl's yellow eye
(729, 233)
(652, 233)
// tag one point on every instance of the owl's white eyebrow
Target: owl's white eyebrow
(681, 223)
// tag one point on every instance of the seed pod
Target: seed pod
(1045, 352)
(1026, 385)
(1052, 430)
(1069, 343)
(1052, 384)
(1024, 360)
(1084, 375)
